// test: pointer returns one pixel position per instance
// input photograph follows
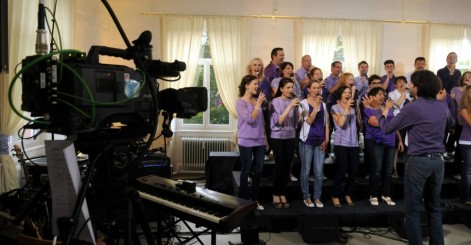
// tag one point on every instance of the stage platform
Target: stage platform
(361, 214)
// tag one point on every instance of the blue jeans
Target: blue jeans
(311, 156)
(423, 175)
(466, 173)
(247, 156)
(381, 157)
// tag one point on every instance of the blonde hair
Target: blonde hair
(249, 68)
(343, 79)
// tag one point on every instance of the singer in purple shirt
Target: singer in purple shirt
(251, 135)
(346, 145)
(425, 120)
(283, 122)
(272, 71)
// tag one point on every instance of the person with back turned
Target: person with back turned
(425, 121)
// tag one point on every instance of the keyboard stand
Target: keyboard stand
(184, 240)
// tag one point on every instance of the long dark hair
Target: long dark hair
(282, 84)
(284, 65)
(337, 95)
(245, 80)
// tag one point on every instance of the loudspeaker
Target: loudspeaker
(218, 171)
(396, 220)
(319, 228)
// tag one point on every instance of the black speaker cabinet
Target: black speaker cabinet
(218, 171)
(319, 228)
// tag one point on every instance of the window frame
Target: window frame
(180, 126)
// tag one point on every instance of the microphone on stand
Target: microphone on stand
(41, 34)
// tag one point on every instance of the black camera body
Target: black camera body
(84, 98)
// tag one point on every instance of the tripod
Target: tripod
(68, 225)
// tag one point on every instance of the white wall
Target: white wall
(402, 42)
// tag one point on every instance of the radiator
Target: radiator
(196, 150)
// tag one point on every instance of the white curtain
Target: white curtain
(23, 25)
(318, 38)
(362, 40)
(181, 40)
(230, 45)
(443, 40)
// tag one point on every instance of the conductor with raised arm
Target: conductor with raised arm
(425, 121)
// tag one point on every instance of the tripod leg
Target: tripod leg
(138, 206)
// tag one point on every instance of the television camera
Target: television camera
(106, 109)
(75, 95)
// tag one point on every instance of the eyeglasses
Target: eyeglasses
(376, 83)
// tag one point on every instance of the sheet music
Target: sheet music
(65, 182)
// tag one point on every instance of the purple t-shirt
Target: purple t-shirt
(375, 133)
(316, 135)
(287, 130)
(348, 134)
(250, 132)
(425, 121)
(391, 87)
(271, 71)
(330, 81)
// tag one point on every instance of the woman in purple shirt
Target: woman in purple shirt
(251, 135)
(465, 145)
(283, 122)
(380, 148)
(346, 150)
(313, 141)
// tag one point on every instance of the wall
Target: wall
(402, 42)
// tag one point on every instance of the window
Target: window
(216, 115)
(338, 54)
(463, 58)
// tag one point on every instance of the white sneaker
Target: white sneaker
(374, 201)
(260, 207)
(388, 201)
(266, 158)
(292, 178)
(318, 204)
(308, 203)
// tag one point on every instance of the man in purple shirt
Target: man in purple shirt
(330, 81)
(449, 74)
(425, 120)
(302, 72)
(272, 71)
(388, 79)
(361, 81)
